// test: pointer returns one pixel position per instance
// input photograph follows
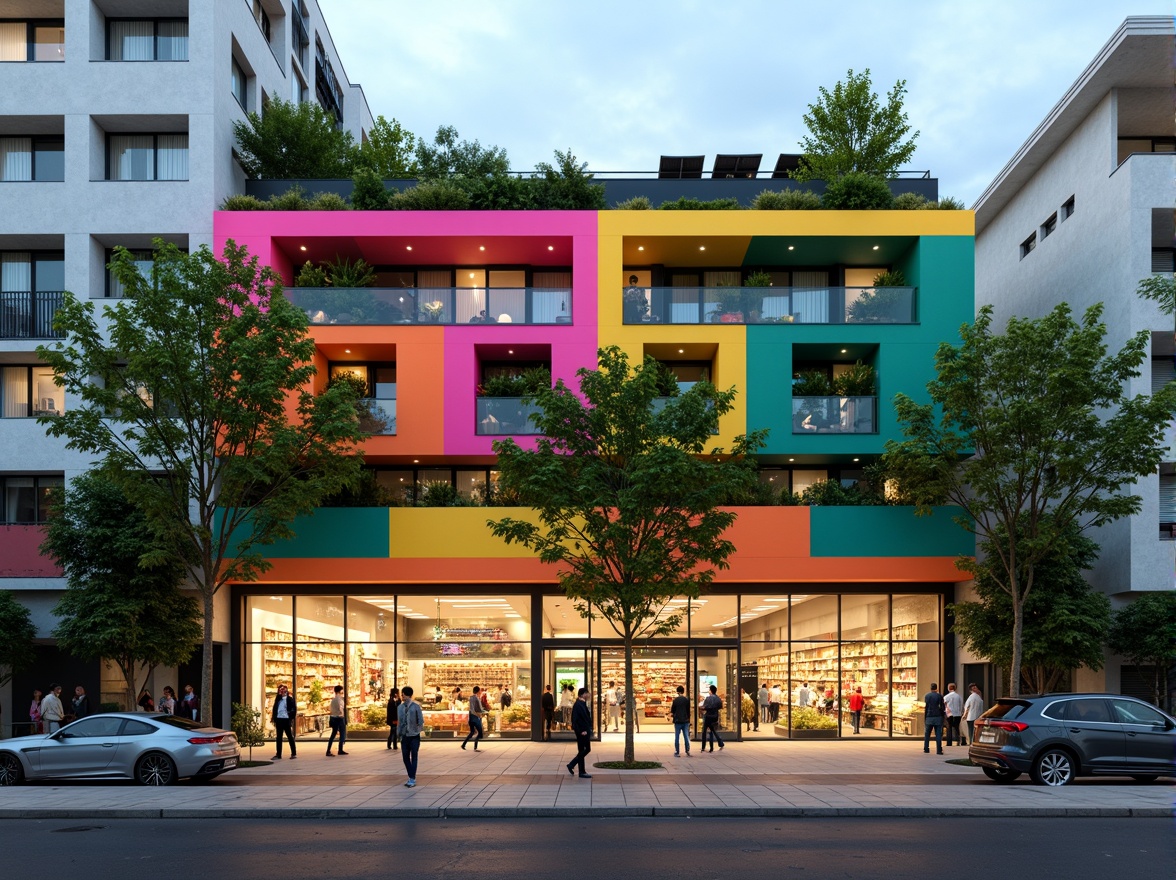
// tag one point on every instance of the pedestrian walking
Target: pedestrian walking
(973, 709)
(338, 722)
(547, 704)
(710, 719)
(410, 722)
(803, 695)
(953, 704)
(190, 704)
(582, 727)
(283, 717)
(933, 719)
(393, 716)
(167, 702)
(680, 714)
(52, 712)
(475, 719)
(35, 712)
(856, 703)
(81, 703)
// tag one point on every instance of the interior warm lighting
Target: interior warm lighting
(551, 247)
(875, 247)
(640, 247)
(857, 459)
(347, 351)
(681, 351)
(791, 248)
(510, 351)
(482, 247)
(702, 247)
(408, 247)
(792, 459)
(844, 350)
(302, 248)
(472, 274)
(418, 461)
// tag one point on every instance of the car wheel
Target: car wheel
(11, 772)
(1145, 777)
(999, 774)
(1053, 767)
(155, 769)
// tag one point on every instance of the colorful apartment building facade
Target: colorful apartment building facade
(818, 600)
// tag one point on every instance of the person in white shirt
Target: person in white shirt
(52, 712)
(775, 698)
(973, 709)
(614, 707)
(953, 703)
(803, 695)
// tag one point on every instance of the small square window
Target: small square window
(1028, 245)
(1049, 226)
(1067, 208)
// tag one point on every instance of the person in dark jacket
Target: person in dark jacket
(81, 703)
(680, 713)
(547, 703)
(582, 727)
(284, 712)
(933, 713)
(393, 718)
(711, 707)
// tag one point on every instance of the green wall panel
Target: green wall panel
(887, 531)
(336, 533)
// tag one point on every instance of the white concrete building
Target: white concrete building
(1081, 214)
(115, 128)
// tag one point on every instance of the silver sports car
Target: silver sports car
(151, 748)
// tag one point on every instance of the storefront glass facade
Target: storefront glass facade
(809, 651)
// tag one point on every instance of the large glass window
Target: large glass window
(147, 40)
(32, 40)
(26, 498)
(29, 391)
(147, 157)
(32, 158)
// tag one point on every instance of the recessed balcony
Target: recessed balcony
(769, 305)
(834, 415)
(28, 314)
(443, 305)
(502, 416)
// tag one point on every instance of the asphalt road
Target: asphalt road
(649, 849)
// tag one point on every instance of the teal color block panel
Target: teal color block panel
(336, 533)
(887, 531)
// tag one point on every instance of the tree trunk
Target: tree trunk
(205, 695)
(1018, 630)
(629, 699)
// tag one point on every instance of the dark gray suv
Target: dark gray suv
(1056, 737)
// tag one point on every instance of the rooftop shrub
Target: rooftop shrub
(688, 204)
(857, 191)
(789, 200)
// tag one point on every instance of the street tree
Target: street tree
(16, 637)
(850, 130)
(1145, 633)
(195, 394)
(1029, 433)
(627, 496)
(116, 606)
(1161, 289)
(293, 141)
(1065, 621)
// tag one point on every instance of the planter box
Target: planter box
(440, 734)
(830, 733)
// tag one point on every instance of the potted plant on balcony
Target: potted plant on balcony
(742, 305)
(635, 305)
(508, 415)
(857, 381)
(887, 303)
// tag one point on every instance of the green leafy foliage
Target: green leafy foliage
(242, 443)
(849, 130)
(293, 141)
(857, 191)
(566, 186)
(637, 203)
(910, 201)
(890, 278)
(247, 725)
(16, 637)
(123, 601)
(812, 383)
(789, 200)
(688, 204)
(388, 153)
(525, 383)
(859, 380)
(368, 192)
(1029, 453)
(1145, 633)
(448, 157)
(808, 718)
(1065, 621)
(440, 195)
(628, 506)
(883, 305)
(947, 203)
(241, 202)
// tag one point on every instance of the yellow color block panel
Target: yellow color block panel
(452, 532)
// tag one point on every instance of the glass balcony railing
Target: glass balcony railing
(506, 415)
(439, 305)
(834, 415)
(377, 416)
(769, 305)
(28, 314)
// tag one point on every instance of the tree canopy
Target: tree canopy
(194, 392)
(851, 130)
(389, 151)
(1145, 633)
(1065, 621)
(16, 637)
(293, 141)
(627, 495)
(1030, 432)
(116, 607)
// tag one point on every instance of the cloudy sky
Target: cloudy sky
(621, 83)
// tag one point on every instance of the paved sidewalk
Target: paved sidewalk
(513, 778)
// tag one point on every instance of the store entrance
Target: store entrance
(657, 674)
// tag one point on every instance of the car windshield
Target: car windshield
(1005, 709)
(176, 721)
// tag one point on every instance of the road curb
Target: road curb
(601, 812)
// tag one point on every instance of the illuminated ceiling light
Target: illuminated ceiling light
(408, 247)
(510, 351)
(681, 351)
(347, 351)
(791, 248)
(857, 459)
(702, 247)
(844, 350)
(875, 247)
(472, 274)
(551, 247)
(640, 247)
(482, 247)
(792, 459)
(302, 248)
(416, 461)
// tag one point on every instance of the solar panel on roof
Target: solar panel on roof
(737, 165)
(786, 163)
(680, 167)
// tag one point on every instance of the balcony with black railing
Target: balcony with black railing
(437, 305)
(28, 314)
(769, 305)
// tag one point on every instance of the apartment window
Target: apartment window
(240, 85)
(298, 93)
(159, 39)
(1130, 145)
(144, 260)
(32, 40)
(147, 157)
(1163, 260)
(32, 158)
(32, 270)
(1167, 503)
(26, 498)
(1028, 245)
(1067, 208)
(29, 391)
(1049, 226)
